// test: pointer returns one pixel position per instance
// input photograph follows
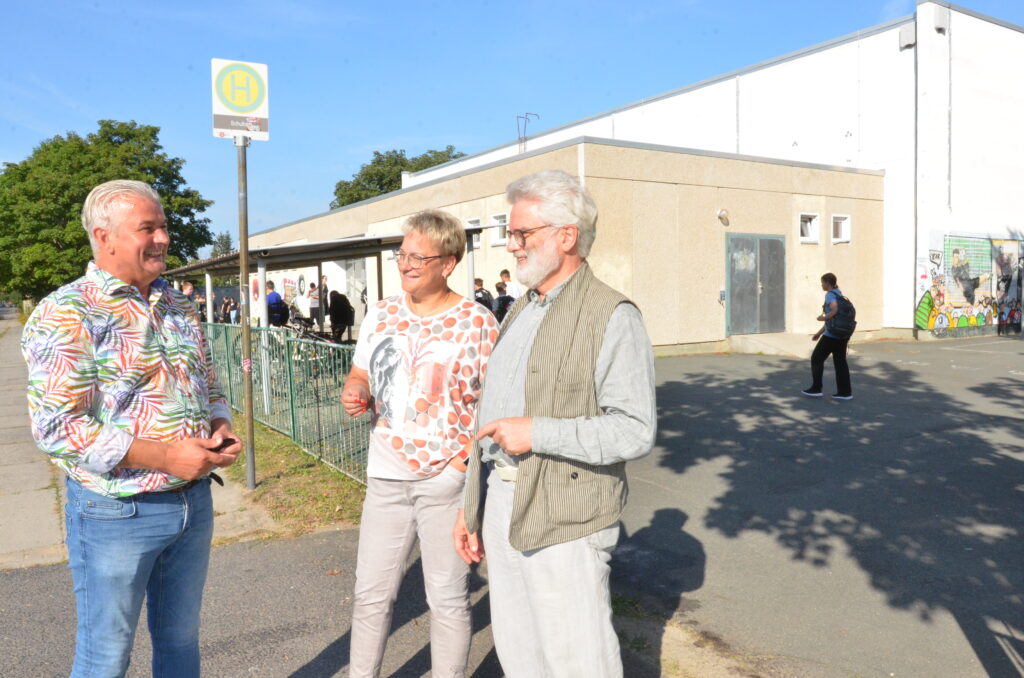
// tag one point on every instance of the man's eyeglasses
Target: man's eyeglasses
(520, 235)
(415, 261)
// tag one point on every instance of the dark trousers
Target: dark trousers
(837, 348)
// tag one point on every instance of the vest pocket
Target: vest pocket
(573, 496)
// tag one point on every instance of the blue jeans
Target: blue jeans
(121, 549)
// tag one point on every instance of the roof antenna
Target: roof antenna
(521, 122)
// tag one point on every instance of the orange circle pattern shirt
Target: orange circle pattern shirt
(425, 374)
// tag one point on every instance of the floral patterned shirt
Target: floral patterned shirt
(107, 366)
(425, 374)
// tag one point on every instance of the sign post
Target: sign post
(241, 113)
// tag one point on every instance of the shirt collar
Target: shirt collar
(534, 295)
(111, 285)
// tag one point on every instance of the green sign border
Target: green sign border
(231, 68)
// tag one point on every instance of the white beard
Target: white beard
(540, 263)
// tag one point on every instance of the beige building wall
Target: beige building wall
(660, 239)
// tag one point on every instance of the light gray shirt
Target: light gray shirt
(623, 375)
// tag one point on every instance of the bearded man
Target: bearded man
(568, 399)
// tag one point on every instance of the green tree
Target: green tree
(42, 242)
(383, 174)
(221, 245)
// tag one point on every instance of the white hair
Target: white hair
(562, 201)
(104, 200)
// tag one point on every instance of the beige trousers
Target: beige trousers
(395, 514)
(551, 612)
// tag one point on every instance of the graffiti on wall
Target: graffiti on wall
(971, 286)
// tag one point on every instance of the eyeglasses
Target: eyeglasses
(415, 261)
(520, 235)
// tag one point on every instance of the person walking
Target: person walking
(418, 365)
(568, 400)
(829, 343)
(124, 398)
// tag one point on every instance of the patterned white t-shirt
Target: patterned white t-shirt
(425, 375)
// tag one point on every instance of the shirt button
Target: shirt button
(574, 475)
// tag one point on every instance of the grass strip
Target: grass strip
(300, 493)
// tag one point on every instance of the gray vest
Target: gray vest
(557, 500)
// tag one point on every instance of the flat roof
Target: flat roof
(574, 142)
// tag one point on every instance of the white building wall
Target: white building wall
(847, 104)
(970, 163)
(987, 125)
(940, 117)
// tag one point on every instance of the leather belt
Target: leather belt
(192, 483)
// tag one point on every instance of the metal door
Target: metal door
(756, 280)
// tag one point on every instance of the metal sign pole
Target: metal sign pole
(243, 272)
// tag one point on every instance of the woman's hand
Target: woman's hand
(355, 400)
(355, 397)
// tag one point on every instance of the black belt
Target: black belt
(192, 483)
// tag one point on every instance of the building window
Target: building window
(474, 223)
(809, 228)
(840, 228)
(500, 236)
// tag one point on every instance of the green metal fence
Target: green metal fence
(296, 388)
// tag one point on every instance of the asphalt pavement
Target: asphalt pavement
(810, 538)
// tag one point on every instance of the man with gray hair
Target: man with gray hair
(568, 399)
(124, 399)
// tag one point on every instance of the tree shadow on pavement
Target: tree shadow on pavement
(410, 606)
(655, 566)
(925, 493)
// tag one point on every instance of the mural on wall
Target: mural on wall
(970, 286)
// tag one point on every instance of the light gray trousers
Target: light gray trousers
(551, 612)
(395, 513)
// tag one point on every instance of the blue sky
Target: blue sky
(348, 78)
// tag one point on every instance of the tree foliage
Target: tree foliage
(221, 245)
(42, 242)
(383, 174)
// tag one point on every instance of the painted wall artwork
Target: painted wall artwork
(970, 286)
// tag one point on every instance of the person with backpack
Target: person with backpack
(838, 315)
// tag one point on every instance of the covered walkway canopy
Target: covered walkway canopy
(278, 257)
(281, 257)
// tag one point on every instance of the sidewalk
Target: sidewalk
(32, 489)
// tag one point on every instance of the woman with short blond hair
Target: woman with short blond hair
(417, 368)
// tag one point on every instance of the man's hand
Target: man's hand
(467, 544)
(512, 434)
(227, 455)
(816, 336)
(190, 458)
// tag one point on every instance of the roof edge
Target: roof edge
(790, 56)
(972, 13)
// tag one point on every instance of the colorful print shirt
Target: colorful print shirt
(425, 374)
(107, 366)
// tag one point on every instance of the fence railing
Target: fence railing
(296, 388)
